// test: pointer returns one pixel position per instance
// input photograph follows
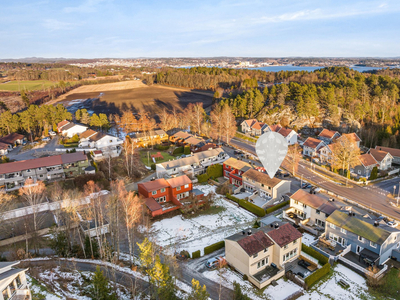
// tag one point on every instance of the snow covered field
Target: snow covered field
(179, 233)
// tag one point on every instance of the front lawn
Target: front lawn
(390, 286)
(146, 158)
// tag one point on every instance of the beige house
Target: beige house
(383, 158)
(309, 209)
(261, 253)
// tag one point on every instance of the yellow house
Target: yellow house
(261, 253)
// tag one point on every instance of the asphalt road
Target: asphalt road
(49, 146)
(371, 196)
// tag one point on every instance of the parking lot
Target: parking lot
(18, 154)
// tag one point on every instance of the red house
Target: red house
(233, 170)
(163, 196)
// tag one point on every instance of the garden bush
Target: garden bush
(259, 211)
(186, 150)
(162, 147)
(203, 178)
(230, 197)
(196, 254)
(374, 174)
(153, 166)
(178, 150)
(317, 275)
(314, 253)
(276, 207)
(214, 247)
(215, 171)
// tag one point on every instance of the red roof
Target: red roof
(312, 143)
(284, 234)
(62, 123)
(11, 138)
(352, 137)
(179, 181)
(378, 154)
(255, 243)
(3, 146)
(250, 122)
(367, 160)
(258, 125)
(275, 127)
(154, 185)
(285, 131)
(394, 152)
(97, 152)
(326, 133)
(152, 204)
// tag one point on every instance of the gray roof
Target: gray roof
(208, 153)
(9, 273)
(269, 220)
(5, 264)
(194, 159)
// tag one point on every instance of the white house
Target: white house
(383, 158)
(311, 147)
(72, 129)
(102, 141)
(325, 153)
(289, 134)
(13, 283)
(247, 124)
(4, 148)
(84, 137)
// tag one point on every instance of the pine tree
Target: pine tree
(237, 292)
(100, 289)
(95, 121)
(146, 255)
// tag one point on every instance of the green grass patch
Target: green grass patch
(389, 287)
(143, 157)
(27, 85)
(245, 137)
(71, 145)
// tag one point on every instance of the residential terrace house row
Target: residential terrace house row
(165, 195)
(14, 174)
(144, 139)
(260, 183)
(233, 170)
(192, 165)
(13, 284)
(261, 253)
(370, 240)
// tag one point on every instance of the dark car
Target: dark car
(306, 185)
(304, 264)
(238, 152)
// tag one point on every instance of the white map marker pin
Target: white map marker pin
(271, 149)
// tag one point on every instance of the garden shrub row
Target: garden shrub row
(196, 254)
(317, 275)
(215, 171)
(178, 150)
(162, 147)
(259, 211)
(186, 150)
(314, 253)
(203, 178)
(276, 207)
(213, 247)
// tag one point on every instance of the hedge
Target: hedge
(203, 178)
(215, 171)
(153, 166)
(259, 211)
(314, 253)
(186, 150)
(276, 207)
(213, 247)
(196, 254)
(161, 147)
(317, 275)
(178, 150)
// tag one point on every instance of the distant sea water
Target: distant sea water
(309, 69)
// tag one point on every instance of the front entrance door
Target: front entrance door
(358, 249)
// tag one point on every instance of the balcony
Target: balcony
(266, 276)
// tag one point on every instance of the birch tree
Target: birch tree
(229, 123)
(345, 155)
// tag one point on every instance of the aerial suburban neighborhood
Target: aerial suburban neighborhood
(225, 150)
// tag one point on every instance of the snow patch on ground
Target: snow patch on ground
(308, 239)
(192, 234)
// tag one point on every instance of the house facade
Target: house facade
(367, 163)
(260, 183)
(233, 170)
(394, 152)
(262, 253)
(311, 209)
(311, 147)
(326, 153)
(4, 148)
(13, 284)
(72, 129)
(383, 158)
(13, 139)
(369, 239)
(246, 125)
(14, 174)
(143, 139)
(289, 134)
(328, 136)
(192, 165)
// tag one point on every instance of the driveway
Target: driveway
(50, 146)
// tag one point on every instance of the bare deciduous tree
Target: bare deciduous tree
(34, 194)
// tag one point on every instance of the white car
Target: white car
(52, 133)
(46, 139)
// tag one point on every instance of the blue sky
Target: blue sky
(170, 28)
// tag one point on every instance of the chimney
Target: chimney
(243, 232)
(249, 232)
(276, 225)
(272, 225)
(376, 223)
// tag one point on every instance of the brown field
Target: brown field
(125, 96)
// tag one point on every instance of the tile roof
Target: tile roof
(354, 224)
(351, 136)
(250, 122)
(3, 146)
(152, 204)
(179, 181)
(73, 157)
(236, 164)
(68, 126)
(181, 135)
(326, 133)
(275, 127)
(394, 152)
(379, 155)
(154, 185)
(367, 160)
(258, 125)
(87, 133)
(260, 177)
(193, 140)
(285, 131)
(194, 159)
(98, 136)
(11, 138)
(284, 234)
(255, 242)
(312, 143)
(62, 123)
(314, 201)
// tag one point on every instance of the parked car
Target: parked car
(46, 139)
(237, 152)
(215, 261)
(52, 133)
(306, 185)
(303, 263)
(392, 223)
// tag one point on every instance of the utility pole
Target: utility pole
(398, 195)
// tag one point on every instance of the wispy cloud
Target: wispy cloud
(87, 6)
(55, 25)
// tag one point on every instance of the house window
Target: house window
(332, 226)
(285, 247)
(255, 255)
(40, 168)
(361, 239)
(342, 230)
(5, 294)
(178, 188)
(162, 190)
(359, 172)
(186, 186)
(29, 170)
(262, 184)
(154, 192)
(296, 202)
(110, 141)
(320, 223)
(41, 175)
(294, 242)
(265, 250)
(373, 245)
(305, 206)
(318, 212)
